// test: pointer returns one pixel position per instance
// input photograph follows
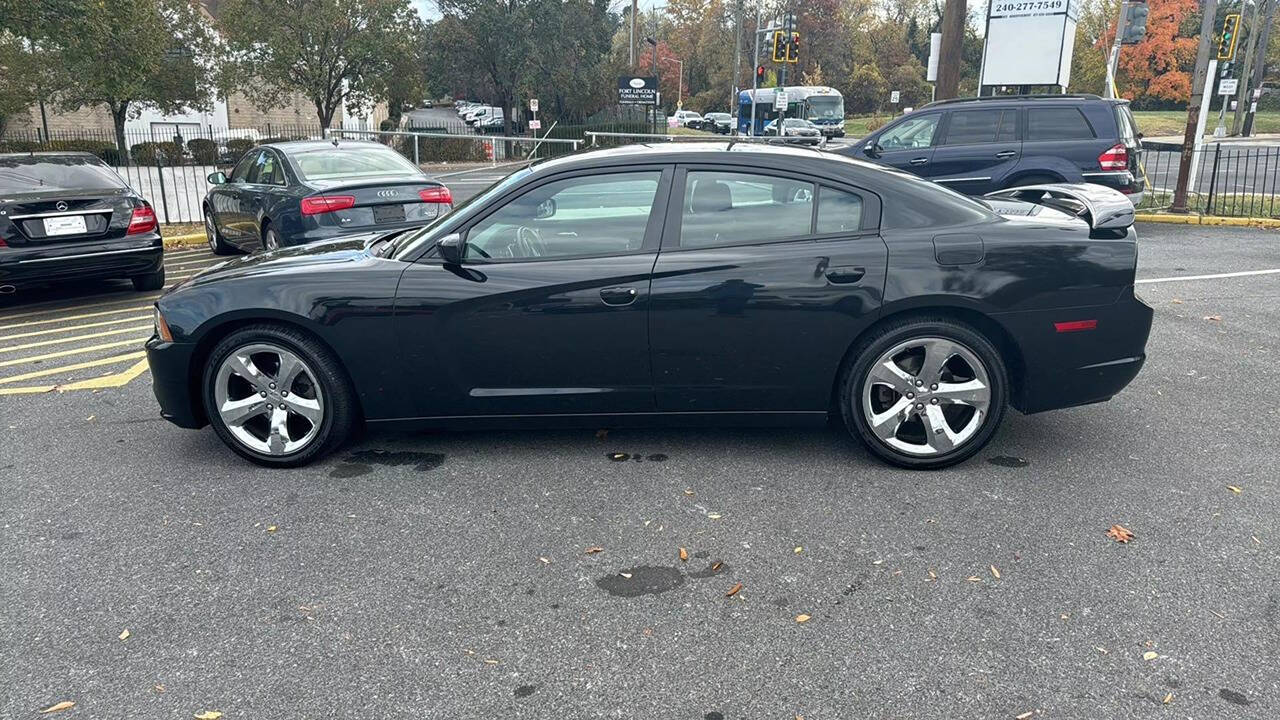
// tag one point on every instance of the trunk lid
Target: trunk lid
(379, 201)
(66, 216)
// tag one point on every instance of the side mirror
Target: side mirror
(450, 247)
(871, 149)
(217, 178)
(546, 209)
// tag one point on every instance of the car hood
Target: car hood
(349, 250)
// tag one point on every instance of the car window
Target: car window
(1065, 123)
(838, 211)
(1124, 120)
(249, 161)
(968, 127)
(591, 215)
(1008, 126)
(24, 173)
(914, 132)
(350, 161)
(266, 171)
(723, 208)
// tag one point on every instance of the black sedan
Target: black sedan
(291, 193)
(682, 284)
(67, 216)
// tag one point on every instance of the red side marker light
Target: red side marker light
(1075, 326)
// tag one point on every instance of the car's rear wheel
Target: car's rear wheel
(150, 281)
(213, 237)
(925, 393)
(270, 239)
(277, 396)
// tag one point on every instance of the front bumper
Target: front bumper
(59, 262)
(171, 375)
(1065, 369)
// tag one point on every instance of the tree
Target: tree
(491, 36)
(16, 70)
(1159, 67)
(122, 54)
(336, 53)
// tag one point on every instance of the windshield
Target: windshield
(410, 242)
(826, 107)
(34, 173)
(351, 161)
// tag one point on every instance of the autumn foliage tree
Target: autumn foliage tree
(1158, 69)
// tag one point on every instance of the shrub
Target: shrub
(156, 153)
(203, 151)
(237, 147)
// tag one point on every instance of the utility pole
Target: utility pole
(737, 54)
(949, 61)
(1244, 88)
(1255, 84)
(631, 38)
(1198, 83)
(1113, 60)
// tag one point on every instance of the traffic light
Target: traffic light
(1135, 23)
(793, 48)
(779, 47)
(1227, 46)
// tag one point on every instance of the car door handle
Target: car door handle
(618, 296)
(919, 161)
(845, 274)
(1007, 154)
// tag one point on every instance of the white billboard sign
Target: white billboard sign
(935, 50)
(1029, 42)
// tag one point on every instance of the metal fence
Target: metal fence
(1225, 179)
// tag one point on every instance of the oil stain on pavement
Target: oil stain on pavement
(643, 580)
(525, 690)
(1008, 461)
(361, 462)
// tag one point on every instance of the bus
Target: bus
(820, 105)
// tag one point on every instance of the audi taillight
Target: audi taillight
(142, 220)
(1115, 157)
(436, 195)
(318, 204)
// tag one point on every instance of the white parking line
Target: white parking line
(1243, 273)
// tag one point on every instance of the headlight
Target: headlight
(162, 327)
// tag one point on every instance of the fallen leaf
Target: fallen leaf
(932, 575)
(715, 566)
(602, 434)
(799, 549)
(490, 661)
(1120, 534)
(594, 549)
(684, 555)
(733, 590)
(974, 578)
(208, 715)
(124, 634)
(994, 572)
(1168, 698)
(90, 418)
(158, 688)
(1214, 318)
(1025, 715)
(1235, 489)
(625, 575)
(618, 456)
(802, 618)
(688, 491)
(1150, 655)
(544, 561)
(713, 516)
(1101, 649)
(272, 528)
(64, 705)
(1176, 301)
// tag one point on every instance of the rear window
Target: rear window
(1065, 123)
(350, 162)
(968, 127)
(35, 173)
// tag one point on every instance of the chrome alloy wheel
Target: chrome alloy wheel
(209, 232)
(926, 396)
(269, 399)
(272, 240)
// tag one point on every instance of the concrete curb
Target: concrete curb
(184, 240)
(1208, 220)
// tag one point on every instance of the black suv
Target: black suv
(977, 145)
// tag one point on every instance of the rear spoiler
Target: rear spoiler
(1100, 206)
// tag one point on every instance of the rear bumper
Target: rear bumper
(1065, 369)
(56, 262)
(1124, 181)
(170, 381)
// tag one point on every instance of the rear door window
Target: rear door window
(37, 173)
(729, 208)
(1065, 123)
(249, 162)
(970, 127)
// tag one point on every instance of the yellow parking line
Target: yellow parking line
(72, 351)
(51, 331)
(90, 336)
(119, 379)
(77, 366)
(82, 316)
(76, 303)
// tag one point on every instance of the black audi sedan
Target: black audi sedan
(701, 283)
(67, 216)
(291, 193)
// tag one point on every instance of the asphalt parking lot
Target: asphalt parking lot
(448, 574)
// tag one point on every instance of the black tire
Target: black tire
(270, 237)
(895, 333)
(150, 281)
(213, 236)
(337, 397)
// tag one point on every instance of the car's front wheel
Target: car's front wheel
(925, 393)
(277, 396)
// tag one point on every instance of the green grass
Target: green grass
(1227, 205)
(1155, 123)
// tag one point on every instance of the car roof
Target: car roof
(288, 146)
(48, 154)
(1023, 100)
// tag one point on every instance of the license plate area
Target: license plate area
(65, 225)
(384, 214)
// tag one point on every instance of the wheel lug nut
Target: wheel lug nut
(263, 393)
(268, 406)
(910, 395)
(933, 386)
(919, 406)
(919, 383)
(934, 401)
(284, 393)
(272, 386)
